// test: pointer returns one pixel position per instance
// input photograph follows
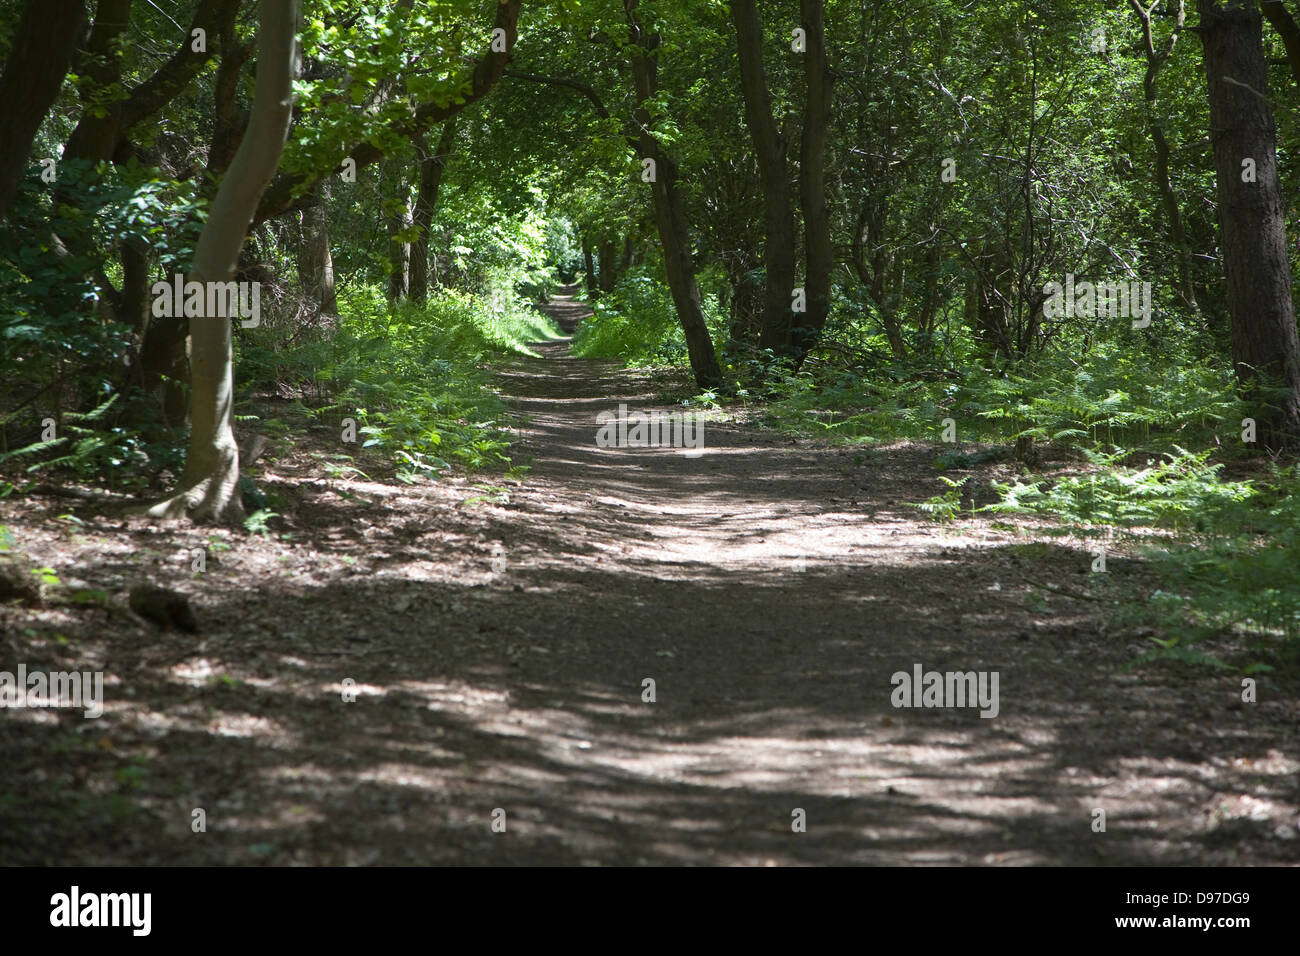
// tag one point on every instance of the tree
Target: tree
(42, 48)
(1156, 58)
(208, 485)
(1252, 220)
(1287, 28)
(433, 162)
(282, 194)
(818, 252)
(670, 210)
(315, 264)
(770, 150)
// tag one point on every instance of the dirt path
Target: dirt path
(769, 588)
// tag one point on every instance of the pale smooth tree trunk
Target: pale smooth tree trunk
(209, 484)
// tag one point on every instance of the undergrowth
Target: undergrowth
(1227, 569)
(637, 323)
(413, 380)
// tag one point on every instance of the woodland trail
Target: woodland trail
(769, 587)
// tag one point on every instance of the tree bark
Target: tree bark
(589, 262)
(432, 166)
(1252, 216)
(212, 465)
(1280, 17)
(670, 211)
(38, 61)
(315, 264)
(770, 150)
(396, 219)
(1156, 60)
(608, 267)
(95, 134)
(818, 251)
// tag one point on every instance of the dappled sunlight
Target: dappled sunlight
(408, 659)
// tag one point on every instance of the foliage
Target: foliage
(412, 377)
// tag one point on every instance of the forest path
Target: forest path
(497, 639)
(771, 588)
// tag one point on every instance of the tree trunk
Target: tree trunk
(626, 262)
(870, 265)
(1156, 60)
(589, 262)
(747, 305)
(38, 60)
(227, 121)
(397, 217)
(212, 465)
(818, 251)
(1288, 30)
(163, 362)
(432, 166)
(315, 264)
(608, 268)
(101, 132)
(101, 62)
(670, 211)
(770, 152)
(988, 303)
(1251, 215)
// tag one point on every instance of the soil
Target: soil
(498, 637)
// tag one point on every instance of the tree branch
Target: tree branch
(281, 196)
(569, 83)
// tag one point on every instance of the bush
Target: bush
(412, 376)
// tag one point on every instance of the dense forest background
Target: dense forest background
(1051, 243)
(855, 215)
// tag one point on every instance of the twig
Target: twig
(1066, 592)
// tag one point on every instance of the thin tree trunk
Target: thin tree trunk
(670, 211)
(608, 268)
(1252, 215)
(227, 123)
(818, 251)
(870, 228)
(1156, 60)
(626, 262)
(163, 362)
(771, 153)
(930, 301)
(589, 262)
(212, 464)
(397, 217)
(432, 166)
